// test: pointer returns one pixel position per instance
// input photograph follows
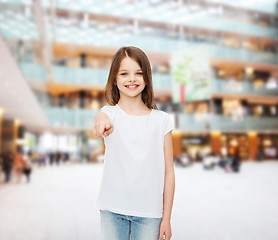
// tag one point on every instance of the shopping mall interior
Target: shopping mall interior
(215, 72)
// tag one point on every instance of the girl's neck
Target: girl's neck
(133, 107)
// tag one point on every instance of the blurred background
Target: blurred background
(215, 71)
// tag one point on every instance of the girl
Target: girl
(137, 190)
(18, 165)
(27, 169)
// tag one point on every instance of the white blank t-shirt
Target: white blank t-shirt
(134, 166)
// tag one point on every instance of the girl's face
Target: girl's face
(130, 81)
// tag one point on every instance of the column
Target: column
(1, 116)
(253, 144)
(215, 142)
(15, 134)
(177, 143)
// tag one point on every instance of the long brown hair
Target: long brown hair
(112, 94)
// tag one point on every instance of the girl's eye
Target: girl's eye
(124, 74)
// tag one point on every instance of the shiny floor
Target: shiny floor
(59, 203)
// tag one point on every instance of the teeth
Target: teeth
(131, 86)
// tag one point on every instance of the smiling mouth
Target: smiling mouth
(131, 86)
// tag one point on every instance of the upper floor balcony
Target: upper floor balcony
(98, 77)
(196, 15)
(217, 45)
(216, 122)
(83, 119)
(265, 6)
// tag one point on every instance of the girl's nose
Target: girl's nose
(132, 77)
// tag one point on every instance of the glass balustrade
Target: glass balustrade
(66, 117)
(203, 17)
(62, 74)
(83, 118)
(241, 87)
(267, 6)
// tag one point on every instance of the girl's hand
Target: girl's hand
(103, 126)
(165, 230)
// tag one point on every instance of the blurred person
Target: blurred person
(223, 161)
(185, 159)
(21, 50)
(18, 166)
(147, 134)
(62, 157)
(34, 156)
(51, 158)
(66, 156)
(237, 111)
(199, 156)
(235, 163)
(57, 157)
(8, 160)
(258, 156)
(229, 160)
(41, 160)
(27, 167)
(210, 161)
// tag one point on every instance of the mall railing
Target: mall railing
(34, 72)
(199, 122)
(172, 46)
(250, 123)
(105, 38)
(201, 19)
(66, 117)
(205, 16)
(243, 87)
(261, 6)
(62, 74)
(83, 118)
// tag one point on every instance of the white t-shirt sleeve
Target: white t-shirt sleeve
(109, 111)
(168, 124)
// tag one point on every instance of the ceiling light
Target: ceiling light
(249, 70)
(27, 2)
(85, 22)
(27, 11)
(17, 122)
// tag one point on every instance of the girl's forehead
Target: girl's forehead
(129, 63)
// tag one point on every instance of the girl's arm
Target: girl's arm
(169, 188)
(100, 116)
(102, 125)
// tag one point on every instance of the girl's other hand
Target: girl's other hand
(165, 230)
(103, 128)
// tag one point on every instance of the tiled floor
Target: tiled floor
(59, 204)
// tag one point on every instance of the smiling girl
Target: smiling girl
(138, 181)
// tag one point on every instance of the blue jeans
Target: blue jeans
(123, 227)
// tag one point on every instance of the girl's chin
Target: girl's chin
(131, 94)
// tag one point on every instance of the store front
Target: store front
(231, 143)
(195, 145)
(268, 146)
